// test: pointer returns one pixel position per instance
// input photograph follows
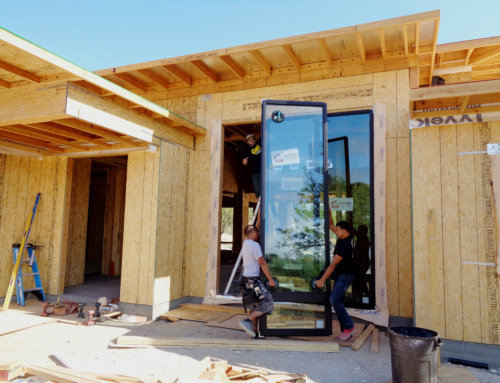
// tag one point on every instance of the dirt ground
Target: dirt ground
(89, 346)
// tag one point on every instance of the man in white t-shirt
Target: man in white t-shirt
(253, 261)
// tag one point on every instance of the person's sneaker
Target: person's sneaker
(246, 325)
(346, 335)
(258, 336)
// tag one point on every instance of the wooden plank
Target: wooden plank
(467, 55)
(29, 141)
(117, 220)
(193, 314)
(61, 283)
(58, 377)
(361, 46)
(235, 344)
(451, 233)
(5, 84)
(326, 52)
(225, 309)
(468, 243)
(384, 90)
(456, 375)
(11, 321)
(107, 244)
(21, 149)
(65, 132)
(19, 72)
(434, 44)
(375, 340)
(359, 342)
(292, 56)
(382, 43)
(455, 90)
(476, 60)
(132, 81)
(31, 130)
(456, 112)
(10, 371)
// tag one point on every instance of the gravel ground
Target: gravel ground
(89, 346)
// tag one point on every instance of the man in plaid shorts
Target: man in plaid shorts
(253, 261)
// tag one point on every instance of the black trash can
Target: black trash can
(414, 356)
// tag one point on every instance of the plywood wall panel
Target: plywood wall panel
(77, 237)
(451, 234)
(468, 233)
(403, 102)
(132, 228)
(426, 166)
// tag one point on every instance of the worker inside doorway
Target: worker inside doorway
(252, 155)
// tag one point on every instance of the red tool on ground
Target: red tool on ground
(91, 314)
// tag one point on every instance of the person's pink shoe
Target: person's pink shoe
(346, 335)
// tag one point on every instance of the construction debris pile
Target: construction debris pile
(206, 371)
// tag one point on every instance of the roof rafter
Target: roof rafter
(177, 72)
(405, 39)
(417, 38)
(238, 70)
(326, 52)
(484, 57)
(291, 55)
(19, 72)
(29, 131)
(257, 55)
(4, 84)
(361, 46)
(467, 55)
(200, 65)
(132, 81)
(434, 45)
(29, 141)
(154, 77)
(382, 43)
(12, 145)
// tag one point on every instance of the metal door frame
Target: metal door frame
(299, 297)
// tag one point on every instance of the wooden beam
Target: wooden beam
(4, 84)
(457, 112)
(382, 43)
(154, 77)
(467, 55)
(463, 104)
(455, 90)
(63, 131)
(257, 55)
(364, 335)
(238, 70)
(29, 141)
(93, 88)
(375, 340)
(434, 44)
(132, 81)
(417, 38)
(177, 72)
(361, 46)
(326, 52)
(200, 65)
(405, 39)
(291, 55)
(97, 130)
(460, 46)
(440, 59)
(117, 149)
(414, 75)
(11, 145)
(484, 57)
(19, 72)
(32, 131)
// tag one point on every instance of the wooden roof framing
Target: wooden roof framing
(394, 43)
(43, 106)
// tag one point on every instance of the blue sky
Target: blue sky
(107, 33)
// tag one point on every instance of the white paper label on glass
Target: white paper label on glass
(341, 204)
(292, 184)
(285, 157)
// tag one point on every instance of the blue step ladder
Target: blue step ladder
(34, 271)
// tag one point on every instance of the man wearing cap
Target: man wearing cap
(253, 155)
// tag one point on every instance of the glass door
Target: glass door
(294, 230)
(350, 189)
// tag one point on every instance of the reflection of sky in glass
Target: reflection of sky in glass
(356, 127)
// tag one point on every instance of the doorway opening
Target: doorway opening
(238, 201)
(95, 232)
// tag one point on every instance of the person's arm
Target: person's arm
(245, 161)
(265, 268)
(332, 226)
(329, 270)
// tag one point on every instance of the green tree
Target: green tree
(227, 220)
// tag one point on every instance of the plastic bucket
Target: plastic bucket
(414, 356)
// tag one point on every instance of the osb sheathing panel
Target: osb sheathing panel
(458, 190)
(17, 198)
(112, 107)
(139, 237)
(78, 217)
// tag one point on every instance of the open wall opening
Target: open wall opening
(95, 232)
(238, 200)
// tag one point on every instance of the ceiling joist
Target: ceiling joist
(198, 64)
(19, 72)
(231, 64)
(326, 52)
(29, 141)
(154, 77)
(382, 43)
(175, 71)
(361, 46)
(257, 55)
(291, 55)
(484, 57)
(132, 81)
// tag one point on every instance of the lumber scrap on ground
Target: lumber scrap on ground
(197, 315)
(9, 371)
(235, 344)
(357, 345)
(65, 375)
(375, 340)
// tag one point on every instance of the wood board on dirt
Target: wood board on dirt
(193, 314)
(232, 324)
(234, 344)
